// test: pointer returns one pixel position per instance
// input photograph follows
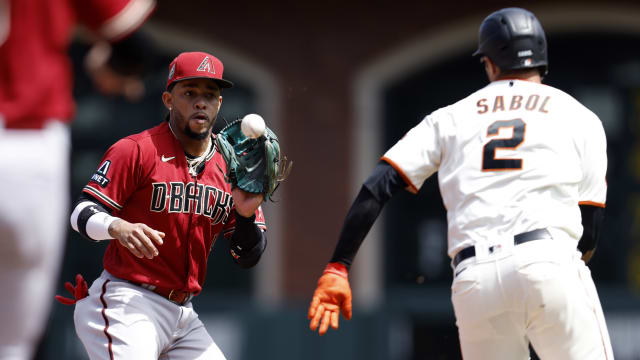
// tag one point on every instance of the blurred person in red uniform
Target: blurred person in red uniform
(36, 105)
(162, 196)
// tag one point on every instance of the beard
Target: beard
(197, 136)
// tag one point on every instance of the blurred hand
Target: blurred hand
(246, 203)
(106, 80)
(332, 296)
(138, 238)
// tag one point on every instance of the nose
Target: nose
(200, 104)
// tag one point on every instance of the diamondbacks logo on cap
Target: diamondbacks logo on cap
(172, 71)
(206, 65)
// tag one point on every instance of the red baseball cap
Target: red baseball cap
(193, 65)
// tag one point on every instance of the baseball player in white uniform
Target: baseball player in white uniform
(521, 168)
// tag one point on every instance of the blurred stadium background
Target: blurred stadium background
(340, 82)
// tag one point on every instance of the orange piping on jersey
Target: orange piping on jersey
(592, 203)
(404, 176)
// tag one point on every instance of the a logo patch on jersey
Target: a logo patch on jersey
(206, 65)
(100, 177)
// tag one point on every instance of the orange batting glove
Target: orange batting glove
(333, 294)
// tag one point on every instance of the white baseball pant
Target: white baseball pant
(34, 173)
(539, 292)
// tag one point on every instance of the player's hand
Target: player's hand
(246, 203)
(138, 238)
(108, 81)
(332, 296)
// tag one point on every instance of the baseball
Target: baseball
(252, 126)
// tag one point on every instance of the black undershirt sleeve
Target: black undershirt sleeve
(383, 183)
(592, 219)
(248, 242)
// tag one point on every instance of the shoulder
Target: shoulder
(464, 105)
(147, 141)
(154, 136)
(571, 107)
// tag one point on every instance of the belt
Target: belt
(521, 238)
(175, 296)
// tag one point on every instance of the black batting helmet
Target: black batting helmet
(513, 39)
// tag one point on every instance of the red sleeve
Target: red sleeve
(229, 227)
(118, 175)
(113, 19)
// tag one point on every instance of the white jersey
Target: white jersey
(512, 157)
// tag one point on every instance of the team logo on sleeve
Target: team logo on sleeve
(100, 177)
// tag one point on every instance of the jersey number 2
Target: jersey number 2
(489, 161)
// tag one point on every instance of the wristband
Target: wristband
(92, 221)
(98, 226)
(336, 268)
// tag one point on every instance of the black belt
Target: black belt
(470, 251)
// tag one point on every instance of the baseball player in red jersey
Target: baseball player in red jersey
(521, 169)
(162, 195)
(35, 106)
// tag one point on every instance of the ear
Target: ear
(219, 102)
(492, 69)
(167, 99)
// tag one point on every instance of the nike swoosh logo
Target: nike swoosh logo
(165, 159)
(250, 169)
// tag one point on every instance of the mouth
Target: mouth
(200, 118)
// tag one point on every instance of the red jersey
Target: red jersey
(35, 71)
(144, 178)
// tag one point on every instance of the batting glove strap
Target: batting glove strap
(337, 269)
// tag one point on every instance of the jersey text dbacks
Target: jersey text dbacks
(178, 197)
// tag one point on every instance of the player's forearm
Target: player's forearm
(361, 216)
(248, 242)
(592, 219)
(91, 219)
(383, 183)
